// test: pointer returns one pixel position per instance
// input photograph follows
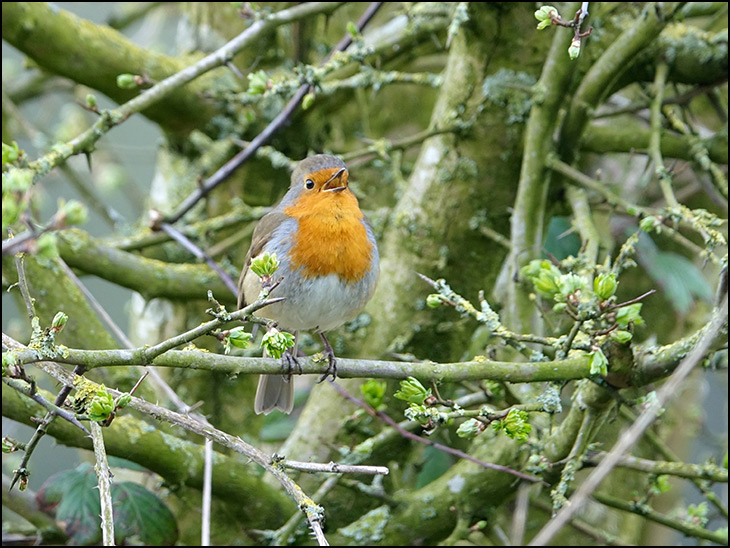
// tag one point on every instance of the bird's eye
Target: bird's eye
(309, 184)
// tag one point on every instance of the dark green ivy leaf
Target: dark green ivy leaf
(140, 517)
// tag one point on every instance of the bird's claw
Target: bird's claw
(289, 362)
(331, 367)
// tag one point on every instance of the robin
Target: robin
(328, 265)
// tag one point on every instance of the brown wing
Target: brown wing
(261, 235)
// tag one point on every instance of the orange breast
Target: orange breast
(331, 238)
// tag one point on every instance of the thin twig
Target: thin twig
(707, 471)
(23, 286)
(50, 407)
(200, 254)
(644, 510)
(634, 300)
(334, 468)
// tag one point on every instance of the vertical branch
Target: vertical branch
(529, 209)
(583, 222)
(103, 474)
(23, 286)
(207, 492)
(665, 177)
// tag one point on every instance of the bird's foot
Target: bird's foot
(332, 361)
(289, 362)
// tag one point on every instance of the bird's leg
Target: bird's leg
(289, 360)
(332, 365)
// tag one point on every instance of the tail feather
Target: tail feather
(274, 392)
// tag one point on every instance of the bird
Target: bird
(328, 266)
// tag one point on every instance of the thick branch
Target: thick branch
(633, 137)
(573, 368)
(150, 277)
(529, 208)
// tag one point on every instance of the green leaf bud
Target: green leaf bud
(470, 429)
(604, 286)
(621, 336)
(374, 392)
(126, 81)
(599, 363)
(123, 401)
(276, 342)
(412, 391)
(258, 82)
(629, 314)
(545, 15)
(308, 100)
(59, 320)
(265, 265)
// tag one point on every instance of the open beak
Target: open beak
(337, 182)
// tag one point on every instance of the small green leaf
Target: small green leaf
(412, 391)
(697, 514)
(236, 337)
(661, 485)
(11, 153)
(470, 429)
(545, 15)
(599, 363)
(123, 401)
(604, 286)
(308, 100)
(621, 336)
(276, 342)
(101, 406)
(629, 314)
(514, 425)
(352, 29)
(265, 265)
(258, 82)
(650, 223)
(374, 392)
